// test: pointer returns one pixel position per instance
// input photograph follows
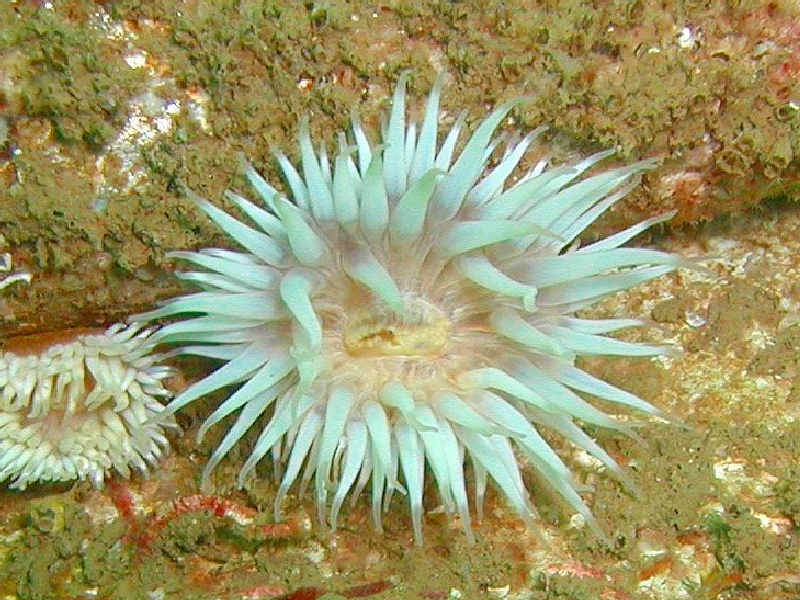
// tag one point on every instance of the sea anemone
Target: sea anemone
(76, 404)
(409, 305)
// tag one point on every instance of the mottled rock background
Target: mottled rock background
(106, 108)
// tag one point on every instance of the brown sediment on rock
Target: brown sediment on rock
(34, 343)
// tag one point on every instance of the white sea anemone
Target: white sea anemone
(409, 305)
(81, 406)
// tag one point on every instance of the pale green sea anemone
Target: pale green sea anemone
(407, 306)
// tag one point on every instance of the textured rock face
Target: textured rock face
(103, 111)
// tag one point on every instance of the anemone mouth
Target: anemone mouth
(420, 329)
